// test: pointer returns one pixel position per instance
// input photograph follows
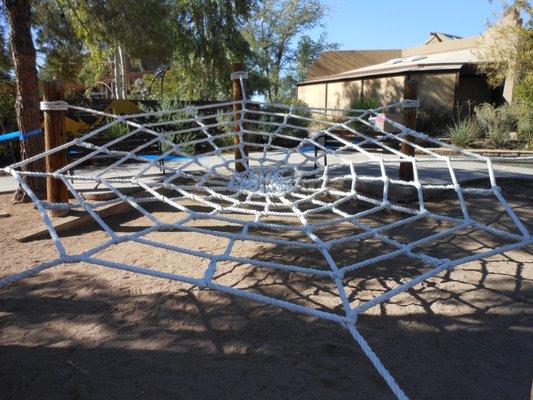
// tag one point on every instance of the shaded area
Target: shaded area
(62, 342)
(83, 332)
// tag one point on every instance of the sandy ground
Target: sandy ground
(85, 332)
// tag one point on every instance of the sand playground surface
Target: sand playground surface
(80, 331)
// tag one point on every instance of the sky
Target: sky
(382, 24)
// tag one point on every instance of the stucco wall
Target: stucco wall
(436, 91)
(384, 90)
(342, 94)
(313, 95)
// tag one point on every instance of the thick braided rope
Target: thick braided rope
(279, 185)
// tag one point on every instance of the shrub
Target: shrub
(364, 104)
(485, 115)
(498, 138)
(294, 131)
(523, 90)
(433, 122)
(117, 130)
(8, 120)
(498, 122)
(183, 113)
(226, 121)
(509, 115)
(464, 132)
(504, 117)
(525, 128)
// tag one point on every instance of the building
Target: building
(444, 68)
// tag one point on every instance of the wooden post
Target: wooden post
(54, 136)
(238, 96)
(409, 120)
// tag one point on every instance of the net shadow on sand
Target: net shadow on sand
(325, 235)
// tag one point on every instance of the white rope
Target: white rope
(285, 188)
(239, 75)
(408, 103)
(57, 105)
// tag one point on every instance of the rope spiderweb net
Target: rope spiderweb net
(339, 204)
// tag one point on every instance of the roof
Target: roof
(336, 62)
(451, 60)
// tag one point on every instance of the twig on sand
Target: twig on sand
(69, 362)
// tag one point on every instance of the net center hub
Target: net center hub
(271, 181)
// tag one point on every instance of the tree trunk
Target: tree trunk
(27, 92)
(116, 84)
(120, 73)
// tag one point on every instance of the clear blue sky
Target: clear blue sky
(381, 24)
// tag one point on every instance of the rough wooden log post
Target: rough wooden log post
(409, 120)
(238, 94)
(54, 136)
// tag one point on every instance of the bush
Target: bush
(464, 132)
(287, 131)
(523, 90)
(504, 117)
(525, 128)
(433, 122)
(498, 138)
(364, 104)
(117, 130)
(485, 115)
(175, 124)
(8, 118)
(498, 122)
(226, 121)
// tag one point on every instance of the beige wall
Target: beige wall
(436, 91)
(384, 90)
(342, 94)
(313, 95)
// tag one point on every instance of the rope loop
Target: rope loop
(239, 74)
(58, 105)
(407, 103)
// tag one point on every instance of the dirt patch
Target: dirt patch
(80, 331)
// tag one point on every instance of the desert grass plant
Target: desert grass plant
(498, 139)
(463, 133)
(497, 123)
